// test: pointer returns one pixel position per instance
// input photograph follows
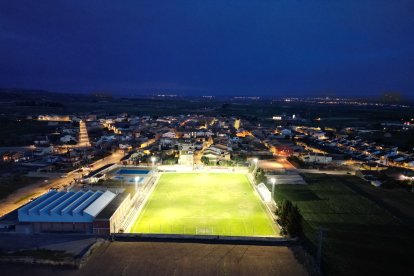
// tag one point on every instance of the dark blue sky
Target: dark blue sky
(274, 47)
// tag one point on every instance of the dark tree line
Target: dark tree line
(260, 176)
(289, 218)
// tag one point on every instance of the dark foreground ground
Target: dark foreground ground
(156, 258)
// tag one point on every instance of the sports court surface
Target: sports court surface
(205, 204)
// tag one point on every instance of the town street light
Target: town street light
(153, 160)
(273, 181)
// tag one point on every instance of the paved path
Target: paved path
(36, 189)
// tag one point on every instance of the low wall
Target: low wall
(202, 169)
(203, 238)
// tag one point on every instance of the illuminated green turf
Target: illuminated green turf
(205, 204)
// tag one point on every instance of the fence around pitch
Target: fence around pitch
(227, 230)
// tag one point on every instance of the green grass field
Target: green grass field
(361, 238)
(205, 204)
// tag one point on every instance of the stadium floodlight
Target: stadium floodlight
(255, 160)
(153, 160)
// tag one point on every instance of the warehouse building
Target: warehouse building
(113, 216)
(68, 211)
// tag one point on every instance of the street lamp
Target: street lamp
(255, 160)
(153, 160)
(273, 181)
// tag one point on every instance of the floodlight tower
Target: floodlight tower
(273, 181)
(255, 160)
(153, 159)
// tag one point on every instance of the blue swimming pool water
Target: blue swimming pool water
(127, 171)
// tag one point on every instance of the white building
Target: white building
(170, 135)
(186, 158)
(264, 192)
(67, 139)
(319, 159)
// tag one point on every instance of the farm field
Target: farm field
(169, 258)
(205, 204)
(361, 238)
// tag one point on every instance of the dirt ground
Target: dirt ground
(156, 258)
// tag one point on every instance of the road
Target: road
(281, 163)
(23, 195)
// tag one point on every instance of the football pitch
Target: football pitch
(205, 204)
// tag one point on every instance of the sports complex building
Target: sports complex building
(176, 201)
(98, 212)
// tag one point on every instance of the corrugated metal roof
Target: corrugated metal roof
(65, 203)
(100, 203)
(81, 206)
(36, 208)
(110, 209)
(69, 208)
(86, 203)
(53, 204)
(36, 201)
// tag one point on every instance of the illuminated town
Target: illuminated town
(206, 137)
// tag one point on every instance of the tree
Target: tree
(283, 210)
(289, 218)
(205, 160)
(294, 222)
(239, 159)
(260, 176)
(170, 161)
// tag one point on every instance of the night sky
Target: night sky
(241, 47)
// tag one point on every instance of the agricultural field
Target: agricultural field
(361, 238)
(21, 132)
(10, 184)
(174, 258)
(205, 204)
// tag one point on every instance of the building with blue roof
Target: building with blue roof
(73, 211)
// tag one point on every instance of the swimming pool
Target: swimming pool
(132, 171)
